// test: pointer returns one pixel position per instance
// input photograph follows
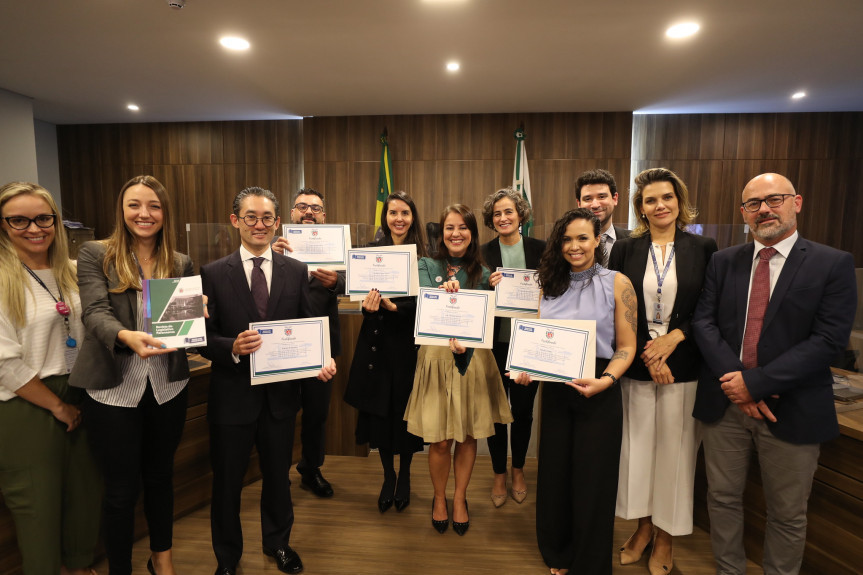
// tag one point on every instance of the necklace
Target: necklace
(60, 306)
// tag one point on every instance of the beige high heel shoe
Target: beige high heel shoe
(629, 555)
(658, 568)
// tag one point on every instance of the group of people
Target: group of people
(732, 347)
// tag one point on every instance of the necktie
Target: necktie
(260, 293)
(606, 243)
(759, 297)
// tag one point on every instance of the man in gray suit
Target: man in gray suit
(597, 191)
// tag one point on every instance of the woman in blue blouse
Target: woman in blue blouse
(579, 449)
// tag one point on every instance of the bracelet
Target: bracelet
(613, 379)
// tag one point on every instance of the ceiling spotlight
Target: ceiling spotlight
(176, 4)
(798, 95)
(133, 107)
(683, 30)
(453, 66)
(234, 43)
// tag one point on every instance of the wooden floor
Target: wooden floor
(347, 534)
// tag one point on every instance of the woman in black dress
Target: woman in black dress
(382, 372)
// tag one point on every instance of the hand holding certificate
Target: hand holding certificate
(391, 270)
(464, 314)
(552, 350)
(517, 294)
(291, 349)
(319, 245)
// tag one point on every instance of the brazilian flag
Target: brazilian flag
(385, 183)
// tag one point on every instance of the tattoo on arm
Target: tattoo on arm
(622, 354)
(630, 302)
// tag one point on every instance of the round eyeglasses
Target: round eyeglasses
(252, 221)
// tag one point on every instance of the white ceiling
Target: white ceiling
(82, 61)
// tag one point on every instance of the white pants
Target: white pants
(657, 455)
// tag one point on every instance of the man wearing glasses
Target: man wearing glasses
(252, 284)
(324, 289)
(772, 316)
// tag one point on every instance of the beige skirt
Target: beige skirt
(447, 405)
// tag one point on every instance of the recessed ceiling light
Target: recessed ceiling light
(133, 107)
(453, 66)
(798, 95)
(683, 30)
(234, 43)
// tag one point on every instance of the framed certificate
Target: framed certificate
(517, 294)
(174, 311)
(291, 349)
(318, 245)
(552, 349)
(466, 314)
(392, 270)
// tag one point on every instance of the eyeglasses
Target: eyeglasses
(252, 221)
(303, 207)
(772, 201)
(43, 221)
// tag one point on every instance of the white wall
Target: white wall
(47, 162)
(17, 139)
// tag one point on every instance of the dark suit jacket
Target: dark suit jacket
(104, 315)
(533, 249)
(233, 400)
(325, 302)
(808, 321)
(691, 254)
(621, 233)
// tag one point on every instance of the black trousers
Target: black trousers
(230, 448)
(315, 402)
(521, 398)
(579, 456)
(135, 446)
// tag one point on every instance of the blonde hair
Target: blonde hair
(14, 283)
(119, 244)
(686, 211)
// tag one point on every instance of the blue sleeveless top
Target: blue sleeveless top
(590, 296)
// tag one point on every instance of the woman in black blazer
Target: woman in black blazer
(385, 359)
(136, 388)
(660, 437)
(505, 211)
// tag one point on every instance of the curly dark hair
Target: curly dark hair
(415, 233)
(553, 272)
(472, 259)
(522, 208)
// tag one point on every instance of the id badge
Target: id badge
(658, 312)
(70, 355)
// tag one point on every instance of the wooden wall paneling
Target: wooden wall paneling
(753, 137)
(616, 135)
(421, 186)
(420, 134)
(453, 137)
(546, 136)
(712, 137)
(491, 136)
(342, 418)
(586, 135)
(850, 136)
(358, 198)
(818, 183)
(363, 138)
(551, 182)
(849, 187)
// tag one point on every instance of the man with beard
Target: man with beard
(772, 315)
(597, 191)
(324, 289)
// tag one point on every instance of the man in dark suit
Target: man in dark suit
(252, 284)
(324, 289)
(597, 191)
(772, 315)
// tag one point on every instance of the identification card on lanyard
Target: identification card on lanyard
(659, 307)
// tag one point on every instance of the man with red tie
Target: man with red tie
(772, 315)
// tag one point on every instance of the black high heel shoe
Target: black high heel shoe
(440, 524)
(150, 567)
(385, 499)
(461, 528)
(403, 493)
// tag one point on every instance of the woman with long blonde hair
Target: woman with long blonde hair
(136, 388)
(48, 478)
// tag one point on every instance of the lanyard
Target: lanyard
(660, 278)
(60, 305)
